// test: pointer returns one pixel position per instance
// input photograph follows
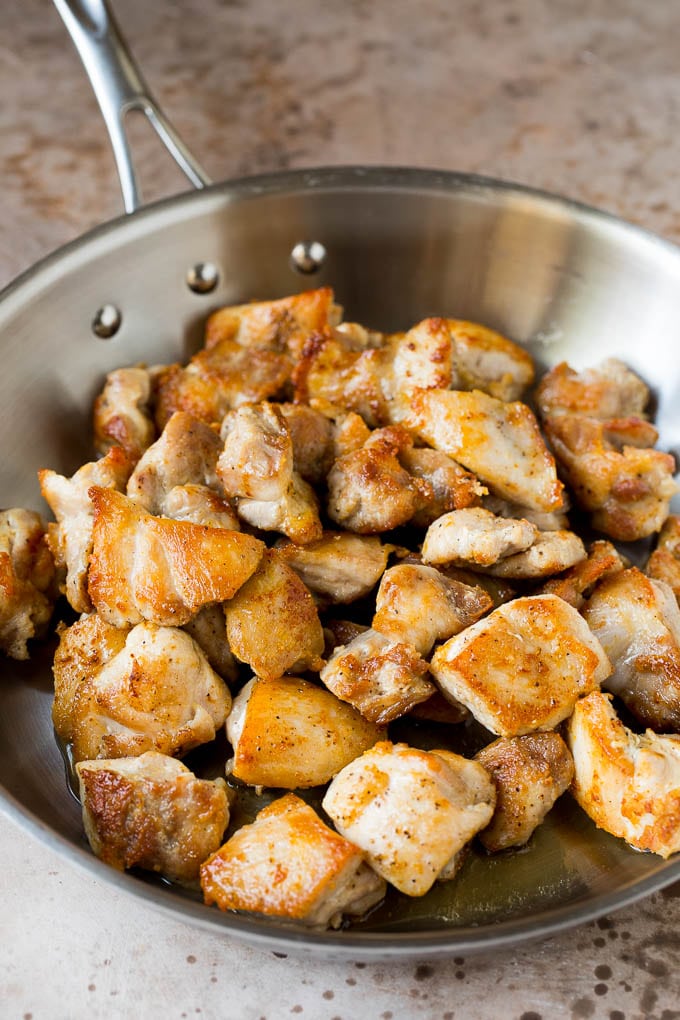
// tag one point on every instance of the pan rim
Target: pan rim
(351, 944)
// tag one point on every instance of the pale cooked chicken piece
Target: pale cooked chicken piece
(369, 491)
(577, 583)
(200, 504)
(637, 621)
(157, 693)
(281, 325)
(289, 733)
(152, 812)
(358, 337)
(340, 567)
(488, 361)
(453, 487)
(475, 537)
(382, 678)
(151, 568)
(70, 539)
(500, 442)
(312, 436)
(349, 431)
(418, 359)
(555, 520)
(84, 648)
(523, 667)
(410, 811)
(628, 783)
(272, 622)
(257, 469)
(208, 628)
(27, 580)
(288, 864)
(529, 774)
(550, 553)
(664, 563)
(609, 390)
(627, 489)
(219, 379)
(419, 605)
(122, 413)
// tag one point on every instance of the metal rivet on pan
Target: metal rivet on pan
(106, 322)
(203, 277)
(308, 257)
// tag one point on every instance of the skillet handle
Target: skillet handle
(120, 88)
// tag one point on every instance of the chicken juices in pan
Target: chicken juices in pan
(314, 531)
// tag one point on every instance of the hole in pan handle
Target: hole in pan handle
(120, 88)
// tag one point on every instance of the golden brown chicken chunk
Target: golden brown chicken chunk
(453, 488)
(627, 489)
(156, 693)
(410, 811)
(609, 390)
(627, 782)
(257, 468)
(340, 567)
(577, 583)
(289, 864)
(289, 733)
(272, 622)
(150, 568)
(208, 628)
(475, 537)
(529, 774)
(664, 563)
(486, 360)
(419, 605)
(500, 442)
(523, 667)
(27, 580)
(369, 491)
(151, 812)
(550, 553)
(555, 520)
(70, 539)
(381, 677)
(122, 414)
(637, 621)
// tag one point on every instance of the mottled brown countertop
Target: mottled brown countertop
(576, 96)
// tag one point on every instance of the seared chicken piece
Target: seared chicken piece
(419, 605)
(555, 520)
(150, 568)
(637, 621)
(627, 782)
(358, 337)
(70, 539)
(219, 379)
(486, 360)
(289, 864)
(453, 487)
(627, 489)
(282, 325)
(312, 436)
(369, 491)
(475, 537)
(151, 812)
(418, 359)
(257, 468)
(289, 733)
(349, 431)
(382, 678)
(199, 504)
(501, 443)
(185, 454)
(27, 580)
(609, 390)
(157, 693)
(272, 622)
(577, 583)
(529, 774)
(122, 415)
(523, 667)
(209, 630)
(498, 590)
(339, 567)
(550, 553)
(410, 811)
(664, 563)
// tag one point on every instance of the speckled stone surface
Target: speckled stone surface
(576, 96)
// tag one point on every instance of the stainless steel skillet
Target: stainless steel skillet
(400, 244)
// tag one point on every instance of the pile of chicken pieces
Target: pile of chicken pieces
(313, 529)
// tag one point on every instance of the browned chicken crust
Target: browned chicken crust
(27, 580)
(664, 562)
(122, 413)
(577, 583)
